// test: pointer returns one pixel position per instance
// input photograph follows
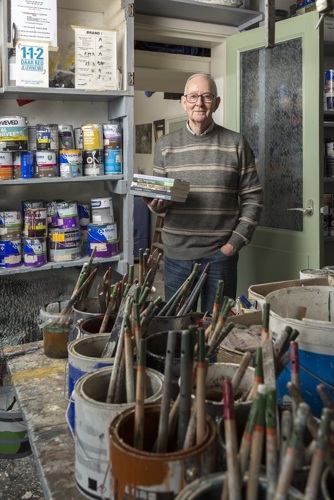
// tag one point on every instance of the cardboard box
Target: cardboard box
(259, 292)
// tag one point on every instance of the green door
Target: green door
(274, 97)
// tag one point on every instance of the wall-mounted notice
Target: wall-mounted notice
(35, 20)
(32, 64)
(95, 59)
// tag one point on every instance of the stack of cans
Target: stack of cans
(35, 228)
(65, 238)
(10, 238)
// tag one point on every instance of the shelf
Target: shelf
(57, 265)
(61, 180)
(59, 94)
(192, 10)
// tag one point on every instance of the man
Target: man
(224, 204)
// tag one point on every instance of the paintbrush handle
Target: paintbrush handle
(129, 368)
(185, 385)
(140, 397)
(271, 442)
(240, 371)
(286, 428)
(231, 443)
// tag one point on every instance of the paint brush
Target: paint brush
(258, 374)
(294, 370)
(325, 396)
(281, 339)
(81, 278)
(141, 265)
(200, 387)
(311, 422)
(257, 445)
(185, 385)
(192, 298)
(233, 470)
(226, 307)
(240, 371)
(170, 306)
(120, 394)
(129, 368)
(271, 442)
(190, 437)
(286, 427)
(109, 309)
(290, 459)
(318, 459)
(140, 396)
(162, 442)
(136, 322)
(269, 374)
(66, 311)
(216, 307)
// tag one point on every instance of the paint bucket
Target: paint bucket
(32, 143)
(211, 486)
(113, 161)
(35, 222)
(165, 323)
(66, 137)
(23, 165)
(70, 163)
(92, 419)
(64, 245)
(10, 253)
(102, 211)
(46, 164)
(34, 252)
(103, 237)
(327, 484)
(112, 134)
(216, 373)
(51, 210)
(156, 346)
(144, 474)
(86, 308)
(84, 214)
(14, 440)
(56, 330)
(315, 340)
(47, 137)
(6, 166)
(84, 356)
(67, 212)
(10, 225)
(93, 162)
(312, 273)
(92, 136)
(78, 138)
(31, 204)
(13, 133)
(92, 325)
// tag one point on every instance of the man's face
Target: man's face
(200, 112)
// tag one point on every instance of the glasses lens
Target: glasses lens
(192, 98)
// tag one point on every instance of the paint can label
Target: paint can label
(102, 237)
(31, 204)
(112, 161)
(78, 137)
(24, 165)
(35, 222)
(34, 252)
(10, 253)
(43, 137)
(84, 214)
(13, 133)
(112, 134)
(52, 214)
(11, 218)
(70, 163)
(66, 137)
(92, 136)
(64, 245)
(102, 211)
(32, 143)
(93, 163)
(46, 164)
(6, 166)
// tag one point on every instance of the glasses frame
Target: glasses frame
(201, 96)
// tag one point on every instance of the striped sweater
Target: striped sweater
(225, 199)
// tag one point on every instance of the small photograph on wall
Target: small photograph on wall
(144, 139)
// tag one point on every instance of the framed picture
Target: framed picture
(159, 129)
(144, 138)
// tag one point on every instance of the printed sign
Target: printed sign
(32, 64)
(35, 20)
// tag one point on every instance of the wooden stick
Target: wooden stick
(120, 393)
(190, 437)
(286, 427)
(185, 385)
(257, 446)
(129, 368)
(220, 323)
(240, 371)
(116, 365)
(294, 370)
(325, 396)
(271, 442)
(109, 309)
(233, 471)
(258, 374)
(140, 396)
(200, 387)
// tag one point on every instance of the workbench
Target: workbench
(40, 385)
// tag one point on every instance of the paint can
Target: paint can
(113, 161)
(102, 211)
(10, 253)
(92, 136)
(34, 252)
(211, 487)
(92, 420)
(46, 163)
(144, 474)
(84, 309)
(84, 214)
(70, 163)
(23, 164)
(311, 273)
(165, 323)
(93, 162)
(47, 137)
(84, 356)
(64, 245)
(13, 133)
(103, 237)
(10, 225)
(32, 143)
(31, 204)
(51, 209)
(6, 166)
(14, 439)
(78, 137)
(56, 330)
(67, 212)
(315, 340)
(66, 137)
(112, 135)
(35, 223)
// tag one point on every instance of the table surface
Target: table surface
(40, 385)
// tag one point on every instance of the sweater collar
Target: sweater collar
(206, 131)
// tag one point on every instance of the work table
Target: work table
(40, 385)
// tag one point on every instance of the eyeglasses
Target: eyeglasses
(192, 98)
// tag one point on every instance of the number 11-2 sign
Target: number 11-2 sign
(32, 64)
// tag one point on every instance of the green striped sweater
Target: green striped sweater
(225, 199)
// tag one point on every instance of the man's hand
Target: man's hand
(227, 249)
(157, 204)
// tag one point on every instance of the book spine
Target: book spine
(150, 194)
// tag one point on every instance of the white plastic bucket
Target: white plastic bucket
(92, 420)
(14, 440)
(315, 340)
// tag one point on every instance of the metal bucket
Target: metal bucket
(84, 356)
(164, 323)
(144, 474)
(327, 484)
(315, 340)
(210, 487)
(85, 309)
(93, 324)
(92, 420)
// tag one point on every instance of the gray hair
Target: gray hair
(213, 84)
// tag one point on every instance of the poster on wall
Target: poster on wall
(32, 64)
(35, 20)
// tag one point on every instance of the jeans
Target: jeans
(222, 267)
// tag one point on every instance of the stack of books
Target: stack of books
(166, 188)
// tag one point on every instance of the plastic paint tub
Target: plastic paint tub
(92, 136)
(103, 237)
(112, 161)
(14, 439)
(102, 211)
(10, 253)
(46, 164)
(146, 474)
(10, 225)
(92, 420)
(315, 340)
(34, 252)
(23, 164)
(66, 137)
(51, 209)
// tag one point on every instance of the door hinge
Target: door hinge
(131, 79)
(131, 9)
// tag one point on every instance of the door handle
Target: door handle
(309, 210)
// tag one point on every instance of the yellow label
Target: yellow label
(57, 237)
